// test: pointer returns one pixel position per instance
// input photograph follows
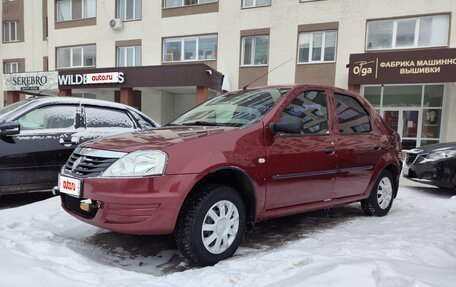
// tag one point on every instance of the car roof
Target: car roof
(75, 100)
(304, 85)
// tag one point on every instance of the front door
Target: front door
(406, 122)
(302, 167)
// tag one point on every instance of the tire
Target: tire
(381, 197)
(221, 235)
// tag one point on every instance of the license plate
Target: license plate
(405, 170)
(69, 185)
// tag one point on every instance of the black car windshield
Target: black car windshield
(11, 107)
(237, 109)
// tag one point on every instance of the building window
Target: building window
(181, 3)
(427, 31)
(414, 111)
(198, 48)
(68, 10)
(129, 10)
(129, 56)
(74, 57)
(317, 47)
(255, 50)
(11, 67)
(10, 31)
(255, 3)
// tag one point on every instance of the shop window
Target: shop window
(10, 31)
(129, 56)
(129, 10)
(255, 50)
(373, 95)
(255, 3)
(352, 117)
(185, 49)
(312, 108)
(182, 3)
(68, 10)
(11, 67)
(427, 31)
(404, 96)
(74, 57)
(317, 47)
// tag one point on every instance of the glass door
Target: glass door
(406, 123)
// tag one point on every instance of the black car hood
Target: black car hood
(436, 147)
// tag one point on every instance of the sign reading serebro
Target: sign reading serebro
(95, 78)
(30, 81)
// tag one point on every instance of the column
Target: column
(202, 94)
(12, 97)
(126, 96)
(65, 92)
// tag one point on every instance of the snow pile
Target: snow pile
(415, 245)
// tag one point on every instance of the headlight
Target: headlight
(138, 163)
(441, 154)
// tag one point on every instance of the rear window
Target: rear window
(352, 117)
(107, 118)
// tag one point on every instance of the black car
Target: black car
(38, 135)
(432, 164)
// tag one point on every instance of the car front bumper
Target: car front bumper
(148, 205)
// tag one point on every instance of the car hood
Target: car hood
(434, 147)
(155, 139)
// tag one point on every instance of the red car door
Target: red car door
(302, 166)
(358, 146)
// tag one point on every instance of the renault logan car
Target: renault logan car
(239, 158)
(38, 135)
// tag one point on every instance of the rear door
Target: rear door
(302, 167)
(358, 146)
(32, 159)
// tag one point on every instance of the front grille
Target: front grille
(87, 166)
(410, 158)
(73, 204)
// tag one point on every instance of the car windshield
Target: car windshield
(237, 109)
(11, 107)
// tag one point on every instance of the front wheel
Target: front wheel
(381, 197)
(211, 225)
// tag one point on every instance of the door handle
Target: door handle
(329, 150)
(72, 141)
(377, 146)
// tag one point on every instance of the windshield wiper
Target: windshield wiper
(201, 123)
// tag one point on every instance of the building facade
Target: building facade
(401, 55)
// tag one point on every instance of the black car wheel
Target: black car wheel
(211, 225)
(381, 197)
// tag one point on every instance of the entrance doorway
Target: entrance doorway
(407, 123)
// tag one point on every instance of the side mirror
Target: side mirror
(289, 125)
(9, 129)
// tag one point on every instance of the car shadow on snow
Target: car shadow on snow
(158, 255)
(435, 191)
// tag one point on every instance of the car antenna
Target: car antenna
(267, 73)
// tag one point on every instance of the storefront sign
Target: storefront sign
(95, 78)
(418, 66)
(30, 81)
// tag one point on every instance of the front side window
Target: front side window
(74, 57)
(129, 10)
(181, 3)
(68, 10)
(427, 31)
(255, 50)
(10, 31)
(311, 107)
(107, 118)
(51, 117)
(129, 56)
(11, 67)
(255, 3)
(198, 48)
(237, 109)
(317, 47)
(352, 117)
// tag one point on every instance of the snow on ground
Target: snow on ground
(415, 245)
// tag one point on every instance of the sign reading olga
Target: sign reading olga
(30, 81)
(419, 66)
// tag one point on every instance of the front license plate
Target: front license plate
(69, 185)
(405, 170)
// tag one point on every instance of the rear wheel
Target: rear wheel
(381, 197)
(211, 225)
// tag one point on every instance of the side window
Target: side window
(143, 122)
(353, 118)
(107, 118)
(50, 117)
(312, 108)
